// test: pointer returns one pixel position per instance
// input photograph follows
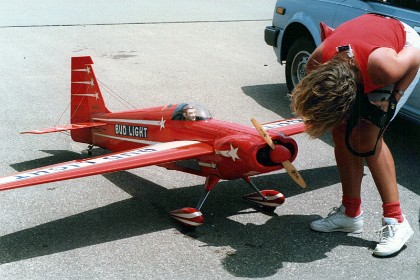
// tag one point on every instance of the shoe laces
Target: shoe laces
(386, 232)
(335, 211)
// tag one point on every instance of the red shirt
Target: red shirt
(365, 34)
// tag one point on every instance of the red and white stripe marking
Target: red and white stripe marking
(188, 216)
(274, 198)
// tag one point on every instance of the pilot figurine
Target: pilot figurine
(189, 113)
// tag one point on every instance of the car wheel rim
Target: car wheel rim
(298, 70)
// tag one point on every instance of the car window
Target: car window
(407, 4)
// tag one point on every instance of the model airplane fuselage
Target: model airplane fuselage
(239, 151)
(181, 137)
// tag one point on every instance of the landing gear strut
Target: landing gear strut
(192, 217)
(88, 151)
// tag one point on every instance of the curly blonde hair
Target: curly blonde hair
(326, 95)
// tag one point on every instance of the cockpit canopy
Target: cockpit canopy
(191, 112)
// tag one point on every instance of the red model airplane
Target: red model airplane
(181, 137)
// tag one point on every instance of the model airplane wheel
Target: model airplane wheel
(269, 202)
(188, 216)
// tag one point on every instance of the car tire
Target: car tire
(296, 60)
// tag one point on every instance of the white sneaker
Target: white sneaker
(337, 220)
(393, 236)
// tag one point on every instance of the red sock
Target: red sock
(352, 206)
(393, 210)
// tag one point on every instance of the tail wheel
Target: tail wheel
(296, 60)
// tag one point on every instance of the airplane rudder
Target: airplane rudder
(85, 91)
(86, 97)
(78, 62)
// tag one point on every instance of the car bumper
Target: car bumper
(271, 34)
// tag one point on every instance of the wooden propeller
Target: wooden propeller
(291, 170)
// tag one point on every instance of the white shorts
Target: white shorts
(412, 39)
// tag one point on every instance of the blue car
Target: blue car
(295, 32)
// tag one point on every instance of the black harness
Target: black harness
(364, 109)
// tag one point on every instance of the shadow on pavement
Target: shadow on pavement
(258, 250)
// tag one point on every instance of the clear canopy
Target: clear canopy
(191, 112)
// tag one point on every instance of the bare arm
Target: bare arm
(386, 66)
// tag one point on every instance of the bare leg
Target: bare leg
(382, 167)
(381, 164)
(349, 166)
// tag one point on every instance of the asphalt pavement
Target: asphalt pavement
(116, 226)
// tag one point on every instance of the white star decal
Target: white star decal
(232, 153)
(162, 123)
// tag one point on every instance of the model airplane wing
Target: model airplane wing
(140, 157)
(288, 127)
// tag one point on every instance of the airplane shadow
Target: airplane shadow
(261, 250)
(401, 136)
(256, 250)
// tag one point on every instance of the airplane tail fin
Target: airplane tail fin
(86, 97)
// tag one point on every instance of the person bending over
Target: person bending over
(343, 92)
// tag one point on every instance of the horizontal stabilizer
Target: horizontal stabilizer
(65, 127)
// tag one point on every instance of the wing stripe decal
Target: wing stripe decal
(288, 127)
(128, 139)
(148, 122)
(140, 157)
(282, 123)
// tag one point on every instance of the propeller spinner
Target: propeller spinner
(278, 154)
